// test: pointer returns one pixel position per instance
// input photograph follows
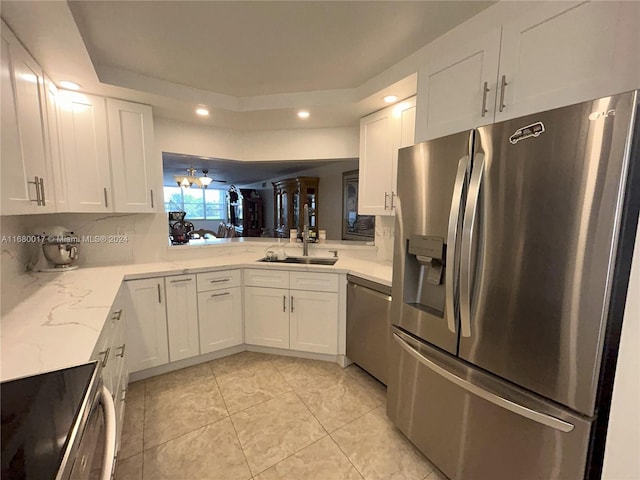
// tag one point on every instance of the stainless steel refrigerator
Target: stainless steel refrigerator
(512, 252)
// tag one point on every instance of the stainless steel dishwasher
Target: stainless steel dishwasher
(368, 325)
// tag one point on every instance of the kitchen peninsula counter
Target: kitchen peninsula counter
(58, 322)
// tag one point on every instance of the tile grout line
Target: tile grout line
(244, 455)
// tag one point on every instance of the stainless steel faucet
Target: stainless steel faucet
(305, 231)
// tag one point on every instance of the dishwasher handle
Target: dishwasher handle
(359, 289)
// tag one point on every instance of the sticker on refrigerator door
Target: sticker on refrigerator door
(533, 130)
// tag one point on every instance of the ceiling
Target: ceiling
(234, 172)
(253, 63)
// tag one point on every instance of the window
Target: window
(199, 203)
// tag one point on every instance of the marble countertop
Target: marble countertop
(58, 322)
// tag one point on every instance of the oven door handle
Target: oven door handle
(110, 433)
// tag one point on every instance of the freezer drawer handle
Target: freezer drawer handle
(451, 277)
(518, 409)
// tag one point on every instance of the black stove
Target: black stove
(38, 415)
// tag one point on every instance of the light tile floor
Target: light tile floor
(264, 417)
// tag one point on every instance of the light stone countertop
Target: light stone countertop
(58, 322)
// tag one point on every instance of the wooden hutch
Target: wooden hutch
(252, 213)
(289, 198)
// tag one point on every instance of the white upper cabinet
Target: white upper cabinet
(26, 172)
(134, 168)
(55, 152)
(381, 135)
(83, 133)
(551, 55)
(457, 91)
(562, 54)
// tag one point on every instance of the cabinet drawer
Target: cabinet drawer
(319, 282)
(254, 277)
(217, 280)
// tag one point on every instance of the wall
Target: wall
(621, 458)
(297, 144)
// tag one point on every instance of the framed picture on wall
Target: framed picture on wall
(354, 226)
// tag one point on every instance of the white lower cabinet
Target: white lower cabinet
(146, 324)
(182, 317)
(266, 316)
(111, 351)
(220, 319)
(313, 321)
(304, 319)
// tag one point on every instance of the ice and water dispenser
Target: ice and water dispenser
(424, 271)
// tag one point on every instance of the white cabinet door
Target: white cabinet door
(182, 317)
(404, 125)
(381, 135)
(266, 314)
(146, 324)
(562, 53)
(375, 164)
(314, 322)
(451, 89)
(55, 147)
(135, 170)
(26, 173)
(220, 319)
(83, 129)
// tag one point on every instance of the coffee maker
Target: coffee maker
(57, 250)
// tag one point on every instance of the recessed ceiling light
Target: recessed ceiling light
(390, 99)
(303, 114)
(69, 85)
(203, 112)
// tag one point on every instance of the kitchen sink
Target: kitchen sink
(304, 260)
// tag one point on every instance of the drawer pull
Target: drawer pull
(117, 315)
(106, 356)
(121, 354)
(219, 280)
(220, 294)
(182, 280)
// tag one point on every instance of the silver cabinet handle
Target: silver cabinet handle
(124, 394)
(220, 294)
(393, 194)
(188, 279)
(159, 296)
(451, 273)
(503, 85)
(36, 182)
(291, 303)
(106, 356)
(469, 224)
(106, 201)
(385, 200)
(474, 389)
(284, 303)
(121, 354)
(485, 90)
(219, 280)
(116, 315)
(151, 197)
(42, 199)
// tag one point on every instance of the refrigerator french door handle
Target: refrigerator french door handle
(468, 225)
(539, 417)
(452, 237)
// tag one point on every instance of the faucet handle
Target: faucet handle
(335, 253)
